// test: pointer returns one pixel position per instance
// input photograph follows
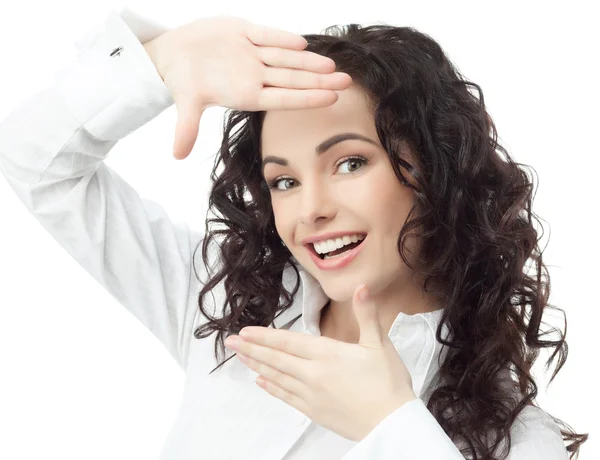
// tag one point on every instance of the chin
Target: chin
(341, 291)
(340, 287)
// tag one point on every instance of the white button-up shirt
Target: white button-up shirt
(52, 149)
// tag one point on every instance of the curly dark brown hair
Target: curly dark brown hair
(473, 214)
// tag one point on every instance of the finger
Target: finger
(291, 78)
(186, 130)
(276, 344)
(295, 99)
(268, 36)
(366, 314)
(287, 397)
(306, 60)
(280, 371)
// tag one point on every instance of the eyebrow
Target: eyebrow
(321, 148)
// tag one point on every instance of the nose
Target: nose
(316, 203)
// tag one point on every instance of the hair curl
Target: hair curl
(473, 210)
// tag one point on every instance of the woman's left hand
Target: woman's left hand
(344, 387)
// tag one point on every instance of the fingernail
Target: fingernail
(363, 293)
(232, 342)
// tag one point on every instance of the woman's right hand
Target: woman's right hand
(230, 62)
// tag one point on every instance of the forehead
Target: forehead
(307, 128)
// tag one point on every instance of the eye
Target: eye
(353, 160)
(350, 160)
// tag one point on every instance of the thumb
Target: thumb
(186, 131)
(367, 318)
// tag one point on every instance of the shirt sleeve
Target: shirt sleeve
(412, 433)
(52, 148)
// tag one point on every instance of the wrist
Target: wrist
(152, 49)
(386, 411)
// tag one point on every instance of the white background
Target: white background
(79, 373)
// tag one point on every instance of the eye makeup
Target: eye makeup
(359, 158)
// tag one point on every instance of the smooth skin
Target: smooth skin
(230, 62)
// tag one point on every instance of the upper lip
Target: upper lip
(330, 235)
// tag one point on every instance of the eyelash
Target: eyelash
(273, 183)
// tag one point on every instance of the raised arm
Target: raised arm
(52, 151)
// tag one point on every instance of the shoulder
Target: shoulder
(533, 421)
(536, 436)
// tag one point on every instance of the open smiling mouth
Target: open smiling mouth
(337, 252)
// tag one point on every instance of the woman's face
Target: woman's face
(321, 193)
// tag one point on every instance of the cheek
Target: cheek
(385, 201)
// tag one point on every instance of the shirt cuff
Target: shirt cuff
(113, 87)
(411, 432)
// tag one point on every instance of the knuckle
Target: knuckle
(260, 33)
(318, 383)
(239, 21)
(318, 80)
(290, 78)
(279, 379)
(302, 59)
(337, 356)
(260, 53)
(315, 376)
(279, 57)
(284, 343)
(274, 359)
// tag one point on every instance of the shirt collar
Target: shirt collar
(413, 336)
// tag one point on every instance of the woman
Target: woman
(430, 217)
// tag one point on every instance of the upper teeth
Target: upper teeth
(331, 245)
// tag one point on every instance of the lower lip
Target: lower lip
(336, 262)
